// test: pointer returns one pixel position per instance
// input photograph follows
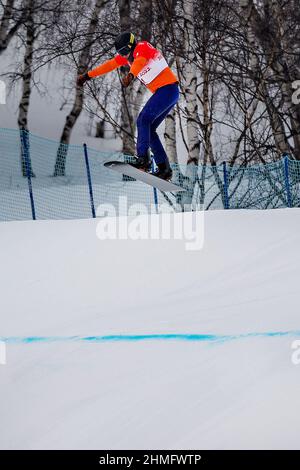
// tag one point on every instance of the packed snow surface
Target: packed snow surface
(125, 344)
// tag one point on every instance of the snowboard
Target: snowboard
(154, 181)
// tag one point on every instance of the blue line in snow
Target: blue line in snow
(150, 337)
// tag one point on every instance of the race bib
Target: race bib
(152, 69)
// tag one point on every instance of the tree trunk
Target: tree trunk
(60, 164)
(189, 85)
(100, 129)
(27, 74)
(6, 33)
(4, 25)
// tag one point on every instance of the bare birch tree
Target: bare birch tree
(13, 17)
(83, 62)
(270, 23)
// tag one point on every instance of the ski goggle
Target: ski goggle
(126, 49)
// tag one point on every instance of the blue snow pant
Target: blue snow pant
(151, 116)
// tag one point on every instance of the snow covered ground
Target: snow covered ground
(83, 370)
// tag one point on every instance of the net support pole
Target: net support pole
(25, 151)
(154, 189)
(89, 178)
(287, 181)
(225, 178)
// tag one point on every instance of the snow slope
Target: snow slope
(68, 384)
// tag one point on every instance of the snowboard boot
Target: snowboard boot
(142, 162)
(163, 171)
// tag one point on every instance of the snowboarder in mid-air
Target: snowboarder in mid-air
(149, 66)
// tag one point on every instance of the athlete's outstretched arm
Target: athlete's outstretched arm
(102, 69)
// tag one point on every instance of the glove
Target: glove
(127, 79)
(81, 79)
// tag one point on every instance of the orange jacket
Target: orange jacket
(149, 66)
